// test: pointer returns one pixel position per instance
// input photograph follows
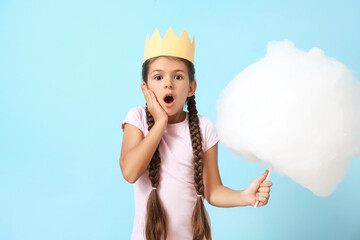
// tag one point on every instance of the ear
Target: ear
(192, 88)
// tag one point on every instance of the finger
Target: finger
(265, 195)
(152, 95)
(266, 184)
(143, 89)
(261, 199)
(262, 177)
(146, 95)
(264, 189)
(262, 203)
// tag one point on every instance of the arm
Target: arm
(220, 196)
(137, 151)
(215, 193)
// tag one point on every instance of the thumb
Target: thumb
(254, 185)
(263, 176)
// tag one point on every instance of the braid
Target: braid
(155, 162)
(201, 227)
(155, 215)
(197, 146)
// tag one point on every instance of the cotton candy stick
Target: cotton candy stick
(267, 178)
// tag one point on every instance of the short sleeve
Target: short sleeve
(136, 117)
(209, 134)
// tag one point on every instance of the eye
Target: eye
(178, 77)
(157, 77)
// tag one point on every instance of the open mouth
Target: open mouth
(169, 99)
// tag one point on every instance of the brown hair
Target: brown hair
(156, 216)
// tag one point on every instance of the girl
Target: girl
(171, 155)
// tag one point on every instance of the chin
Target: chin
(171, 112)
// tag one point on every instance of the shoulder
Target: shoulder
(204, 121)
(208, 132)
(139, 110)
(136, 116)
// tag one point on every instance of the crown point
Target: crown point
(184, 32)
(170, 34)
(156, 34)
(184, 35)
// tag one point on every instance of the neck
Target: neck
(178, 117)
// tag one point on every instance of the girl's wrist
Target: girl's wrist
(161, 122)
(244, 199)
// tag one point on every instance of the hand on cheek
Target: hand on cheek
(153, 105)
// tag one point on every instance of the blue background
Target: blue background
(70, 71)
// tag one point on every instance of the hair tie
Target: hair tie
(154, 188)
(199, 195)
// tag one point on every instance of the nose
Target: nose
(168, 82)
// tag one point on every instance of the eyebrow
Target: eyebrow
(176, 70)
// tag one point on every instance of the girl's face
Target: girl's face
(168, 78)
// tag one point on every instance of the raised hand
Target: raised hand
(153, 105)
(259, 190)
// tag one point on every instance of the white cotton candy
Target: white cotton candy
(298, 111)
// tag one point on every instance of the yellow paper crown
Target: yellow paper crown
(170, 45)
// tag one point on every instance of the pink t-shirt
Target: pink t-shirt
(176, 187)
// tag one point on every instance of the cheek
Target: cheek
(185, 90)
(183, 96)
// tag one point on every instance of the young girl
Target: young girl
(171, 155)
